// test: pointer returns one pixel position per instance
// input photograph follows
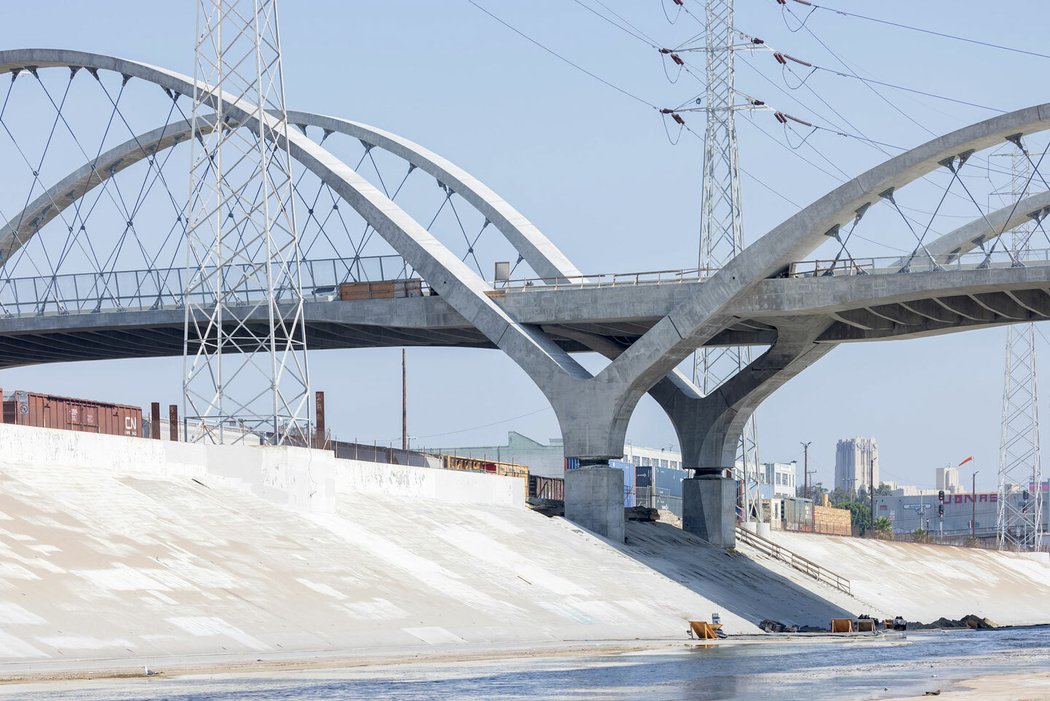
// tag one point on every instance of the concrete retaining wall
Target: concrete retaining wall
(827, 519)
(296, 478)
(421, 483)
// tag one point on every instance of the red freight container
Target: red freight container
(49, 411)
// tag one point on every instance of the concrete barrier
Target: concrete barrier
(356, 476)
(297, 478)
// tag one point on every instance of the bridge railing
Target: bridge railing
(917, 263)
(648, 277)
(141, 290)
(883, 265)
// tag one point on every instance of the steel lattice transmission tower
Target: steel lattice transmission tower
(245, 370)
(721, 228)
(1019, 521)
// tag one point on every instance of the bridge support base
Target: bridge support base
(594, 500)
(709, 509)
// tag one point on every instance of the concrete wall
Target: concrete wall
(828, 519)
(297, 478)
(354, 476)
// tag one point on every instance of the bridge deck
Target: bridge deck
(857, 307)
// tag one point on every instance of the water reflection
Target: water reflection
(792, 669)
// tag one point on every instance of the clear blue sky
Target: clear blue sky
(595, 171)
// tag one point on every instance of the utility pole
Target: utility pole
(871, 490)
(805, 469)
(973, 507)
(404, 402)
(244, 342)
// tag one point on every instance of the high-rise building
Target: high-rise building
(856, 464)
(948, 479)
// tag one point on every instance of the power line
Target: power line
(923, 30)
(641, 36)
(629, 28)
(868, 85)
(783, 58)
(554, 53)
(494, 423)
(911, 90)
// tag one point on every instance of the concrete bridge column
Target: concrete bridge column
(594, 498)
(709, 427)
(709, 507)
(593, 420)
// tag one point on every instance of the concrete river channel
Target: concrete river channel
(769, 669)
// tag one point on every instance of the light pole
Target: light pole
(805, 469)
(973, 506)
(871, 491)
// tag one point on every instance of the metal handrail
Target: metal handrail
(796, 561)
(882, 265)
(142, 290)
(920, 263)
(646, 277)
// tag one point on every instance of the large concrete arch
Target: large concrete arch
(969, 236)
(536, 249)
(624, 380)
(454, 281)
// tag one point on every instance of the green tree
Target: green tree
(883, 527)
(920, 535)
(883, 490)
(817, 492)
(860, 514)
(839, 495)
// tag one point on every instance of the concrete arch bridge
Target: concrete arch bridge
(92, 221)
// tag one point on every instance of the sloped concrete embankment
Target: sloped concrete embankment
(924, 582)
(117, 550)
(744, 581)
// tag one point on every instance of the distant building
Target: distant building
(948, 479)
(910, 490)
(911, 512)
(856, 464)
(548, 459)
(654, 457)
(545, 460)
(778, 479)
